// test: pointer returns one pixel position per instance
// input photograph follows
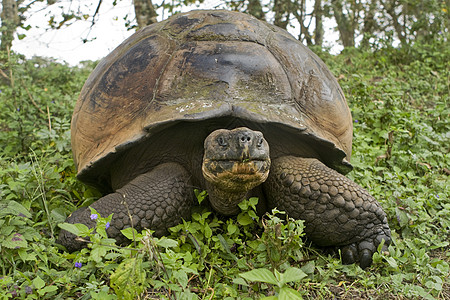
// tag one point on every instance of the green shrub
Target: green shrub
(400, 104)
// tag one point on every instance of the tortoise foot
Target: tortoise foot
(336, 211)
(156, 200)
(361, 252)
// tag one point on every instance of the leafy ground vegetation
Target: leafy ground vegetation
(400, 104)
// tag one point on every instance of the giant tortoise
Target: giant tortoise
(220, 101)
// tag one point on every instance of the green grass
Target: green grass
(400, 104)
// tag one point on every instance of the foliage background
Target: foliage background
(399, 98)
(324, 23)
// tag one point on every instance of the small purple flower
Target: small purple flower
(28, 290)
(78, 265)
(356, 121)
(94, 217)
(18, 109)
(107, 225)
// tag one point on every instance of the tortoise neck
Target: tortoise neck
(224, 201)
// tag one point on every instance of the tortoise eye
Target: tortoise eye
(260, 142)
(221, 141)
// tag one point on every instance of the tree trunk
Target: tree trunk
(345, 26)
(280, 8)
(10, 21)
(318, 15)
(145, 12)
(299, 12)
(370, 24)
(255, 9)
(399, 29)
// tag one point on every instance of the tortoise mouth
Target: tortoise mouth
(249, 167)
(235, 175)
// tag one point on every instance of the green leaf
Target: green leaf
(196, 217)
(15, 241)
(240, 281)
(391, 261)
(260, 275)
(243, 205)
(252, 214)
(200, 195)
(231, 228)
(253, 201)
(24, 255)
(208, 231)
(287, 293)
(57, 215)
(181, 277)
(292, 274)
(47, 289)
(98, 252)
(14, 208)
(131, 233)
(226, 247)
(102, 295)
(224, 243)
(7, 230)
(244, 219)
(77, 229)
(38, 283)
(309, 267)
(166, 243)
(128, 281)
(195, 243)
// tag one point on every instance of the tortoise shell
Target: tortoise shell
(201, 66)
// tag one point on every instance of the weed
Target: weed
(399, 100)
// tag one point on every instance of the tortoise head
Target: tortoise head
(235, 161)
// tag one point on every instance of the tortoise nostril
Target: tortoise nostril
(245, 138)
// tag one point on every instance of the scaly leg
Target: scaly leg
(156, 200)
(337, 211)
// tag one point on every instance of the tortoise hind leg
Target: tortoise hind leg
(337, 211)
(156, 200)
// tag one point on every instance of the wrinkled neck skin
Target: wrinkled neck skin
(234, 162)
(224, 201)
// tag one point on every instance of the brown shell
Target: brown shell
(203, 65)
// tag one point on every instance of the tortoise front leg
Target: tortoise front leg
(156, 200)
(337, 211)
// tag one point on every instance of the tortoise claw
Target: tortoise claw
(363, 251)
(365, 258)
(349, 254)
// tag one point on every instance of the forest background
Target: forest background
(395, 72)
